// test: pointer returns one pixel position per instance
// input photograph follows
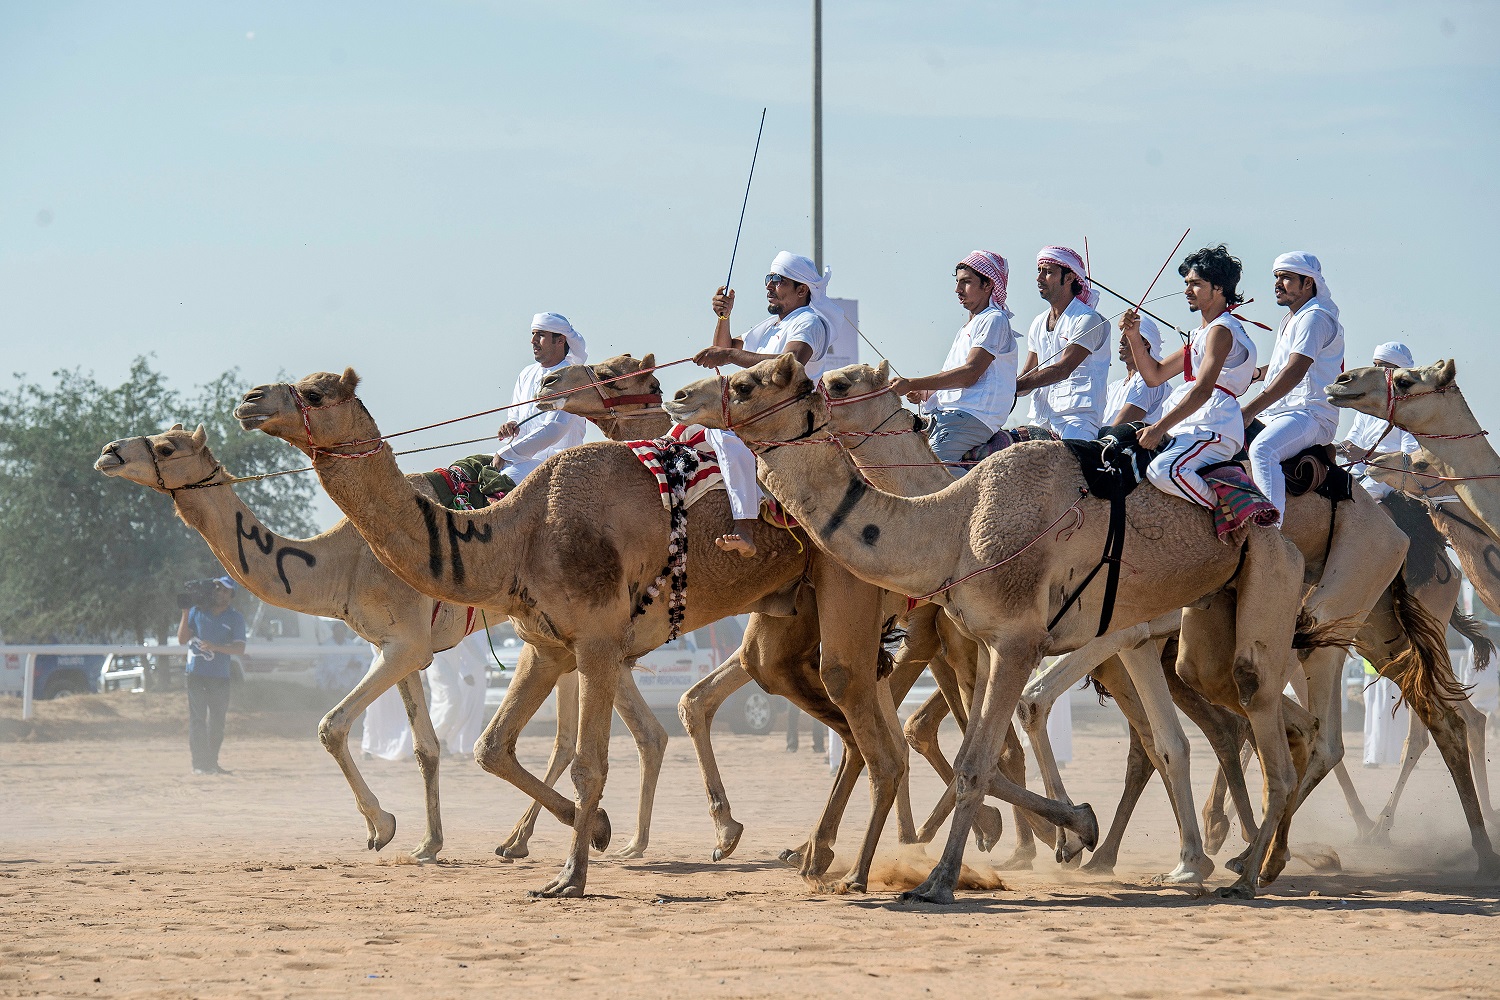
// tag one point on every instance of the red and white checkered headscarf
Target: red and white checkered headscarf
(992, 266)
(1064, 257)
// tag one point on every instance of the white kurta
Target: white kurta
(802, 326)
(544, 432)
(1364, 434)
(991, 397)
(1083, 393)
(457, 680)
(1313, 332)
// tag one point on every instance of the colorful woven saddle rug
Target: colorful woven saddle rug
(469, 484)
(772, 512)
(1240, 504)
(1005, 437)
(654, 453)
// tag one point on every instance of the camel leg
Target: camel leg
(1006, 661)
(392, 662)
(813, 858)
(1411, 752)
(696, 710)
(1226, 733)
(906, 827)
(1447, 728)
(1478, 758)
(517, 845)
(1138, 772)
(599, 666)
(1323, 671)
(537, 673)
(425, 746)
(1362, 822)
(650, 747)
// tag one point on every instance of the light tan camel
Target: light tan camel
(334, 575)
(1428, 403)
(1025, 510)
(1346, 561)
(569, 555)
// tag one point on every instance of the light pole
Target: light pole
(817, 136)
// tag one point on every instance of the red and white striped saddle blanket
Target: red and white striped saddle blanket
(704, 478)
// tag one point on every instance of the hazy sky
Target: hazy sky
(399, 187)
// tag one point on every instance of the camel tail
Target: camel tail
(1473, 629)
(1422, 670)
(1311, 634)
(891, 635)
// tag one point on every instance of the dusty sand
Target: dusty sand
(123, 875)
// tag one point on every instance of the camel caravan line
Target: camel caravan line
(984, 576)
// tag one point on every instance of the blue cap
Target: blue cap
(225, 582)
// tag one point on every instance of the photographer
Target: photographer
(214, 632)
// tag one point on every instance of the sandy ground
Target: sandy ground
(122, 874)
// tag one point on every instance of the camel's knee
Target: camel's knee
(333, 733)
(588, 780)
(692, 714)
(835, 677)
(495, 754)
(919, 733)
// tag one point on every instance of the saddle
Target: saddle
(1312, 470)
(1004, 438)
(469, 484)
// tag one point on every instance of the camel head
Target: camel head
(595, 402)
(275, 410)
(771, 401)
(1409, 473)
(1420, 402)
(877, 409)
(164, 462)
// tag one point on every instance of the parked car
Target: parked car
(56, 675)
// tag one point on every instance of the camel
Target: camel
(332, 574)
(1344, 563)
(571, 555)
(1428, 403)
(628, 403)
(1026, 509)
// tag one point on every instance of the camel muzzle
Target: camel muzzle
(109, 460)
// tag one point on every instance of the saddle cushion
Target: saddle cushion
(688, 445)
(1004, 438)
(1314, 469)
(469, 484)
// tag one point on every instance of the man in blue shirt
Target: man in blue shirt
(213, 632)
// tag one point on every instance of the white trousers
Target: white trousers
(1384, 735)
(1175, 471)
(738, 466)
(1284, 436)
(457, 679)
(1072, 426)
(387, 732)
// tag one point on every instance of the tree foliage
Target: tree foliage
(88, 558)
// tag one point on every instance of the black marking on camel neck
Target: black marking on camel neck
(853, 493)
(870, 535)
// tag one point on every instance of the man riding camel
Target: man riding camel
(802, 322)
(1203, 414)
(1131, 399)
(1307, 358)
(1370, 434)
(1067, 365)
(533, 435)
(969, 400)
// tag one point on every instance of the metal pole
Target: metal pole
(28, 685)
(817, 128)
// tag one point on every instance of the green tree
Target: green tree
(91, 558)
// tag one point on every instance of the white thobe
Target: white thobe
(457, 679)
(544, 432)
(1385, 734)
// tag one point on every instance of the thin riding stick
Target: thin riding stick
(738, 229)
(1163, 269)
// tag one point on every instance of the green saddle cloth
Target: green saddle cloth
(469, 484)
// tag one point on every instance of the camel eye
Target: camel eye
(314, 397)
(741, 388)
(839, 385)
(164, 450)
(655, 388)
(1403, 383)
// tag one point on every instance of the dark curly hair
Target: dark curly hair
(1219, 268)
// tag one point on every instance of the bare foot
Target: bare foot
(735, 542)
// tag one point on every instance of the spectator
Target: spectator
(214, 634)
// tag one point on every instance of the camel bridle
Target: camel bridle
(161, 484)
(313, 450)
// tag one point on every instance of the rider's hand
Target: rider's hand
(713, 357)
(1150, 436)
(507, 429)
(723, 301)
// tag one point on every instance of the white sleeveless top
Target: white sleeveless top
(1221, 415)
(1314, 331)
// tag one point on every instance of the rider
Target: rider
(970, 398)
(1130, 398)
(1365, 439)
(1203, 414)
(536, 435)
(802, 322)
(1309, 355)
(1067, 363)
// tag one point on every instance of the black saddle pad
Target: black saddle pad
(1312, 470)
(1115, 464)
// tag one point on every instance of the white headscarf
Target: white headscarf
(1153, 337)
(802, 270)
(550, 322)
(1395, 353)
(1303, 263)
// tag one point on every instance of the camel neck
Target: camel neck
(455, 556)
(868, 531)
(625, 427)
(923, 475)
(1467, 456)
(280, 571)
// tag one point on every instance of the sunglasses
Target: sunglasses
(772, 280)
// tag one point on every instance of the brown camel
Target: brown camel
(1025, 509)
(1346, 561)
(622, 396)
(1428, 403)
(569, 555)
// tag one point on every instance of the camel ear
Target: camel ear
(350, 380)
(1446, 373)
(882, 373)
(649, 361)
(784, 369)
(200, 436)
(177, 427)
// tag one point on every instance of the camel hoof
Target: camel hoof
(1088, 827)
(1240, 890)
(1187, 873)
(629, 852)
(1236, 864)
(1069, 849)
(1489, 869)
(846, 886)
(426, 855)
(790, 856)
(513, 852)
(382, 830)
(1019, 861)
(937, 895)
(599, 840)
(988, 826)
(816, 866)
(1099, 865)
(566, 890)
(729, 839)
(1215, 833)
